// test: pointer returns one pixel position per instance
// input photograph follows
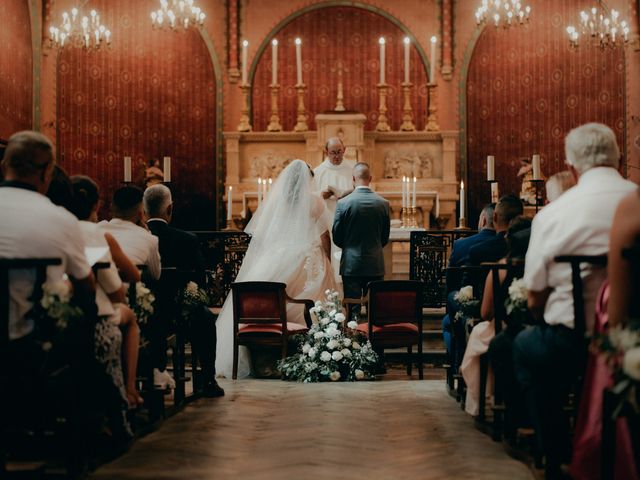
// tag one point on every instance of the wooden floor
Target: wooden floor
(269, 429)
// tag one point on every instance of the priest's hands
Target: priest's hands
(328, 193)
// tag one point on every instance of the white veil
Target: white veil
(285, 230)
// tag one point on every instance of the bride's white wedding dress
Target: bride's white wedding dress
(285, 247)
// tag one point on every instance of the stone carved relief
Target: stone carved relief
(410, 163)
(269, 164)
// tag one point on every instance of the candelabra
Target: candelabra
(407, 112)
(79, 30)
(180, 13)
(602, 26)
(506, 13)
(244, 125)
(301, 125)
(383, 122)
(274, 121)
(432, 123)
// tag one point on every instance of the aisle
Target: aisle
(268, 429)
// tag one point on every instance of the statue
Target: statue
(528, 190)
(407, 163)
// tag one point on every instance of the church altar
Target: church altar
(427, 155)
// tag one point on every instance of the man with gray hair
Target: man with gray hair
(181, 250)
(548, 356)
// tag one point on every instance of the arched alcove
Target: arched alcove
(330, 34)
(152, 94)
(526, 88)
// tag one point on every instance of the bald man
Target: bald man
(333, 179)
(361, 228)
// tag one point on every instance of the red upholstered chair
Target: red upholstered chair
(395, 317)
(260, 316)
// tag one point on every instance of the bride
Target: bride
(290, 244)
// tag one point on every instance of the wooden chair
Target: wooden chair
(260, 316)
(395, 317)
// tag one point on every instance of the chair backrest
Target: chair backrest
(427, 262)
(632, 255)
(395, 301)
(6, 265)
(259, 302)
(579, 319)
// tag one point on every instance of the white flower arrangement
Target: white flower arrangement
(191, 298)
(516, 302)
(330, 352)
(144, 306)
(468, 306)
(56, 298)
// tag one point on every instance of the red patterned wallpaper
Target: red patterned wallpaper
(526, 89)
(151, 95)
(16, 69)
(330, 35)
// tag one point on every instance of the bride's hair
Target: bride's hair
(299, 171)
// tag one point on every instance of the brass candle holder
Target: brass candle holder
(432, 123)
(274, 121)
(407, 112)
(244, 125)
(383, 122)
(301, 125)
(462, 224)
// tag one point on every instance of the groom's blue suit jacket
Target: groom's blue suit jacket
(361, 229)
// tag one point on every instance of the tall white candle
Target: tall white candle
(274, 61)
(404, 197)
(229, 202)
(259, 191)
(415, 182)
(270, 183)
(536, 167)
(491, 168)
(432, 70)
(167, 169)
(127, 169)
(407, 46)
(382, 42)
(244, 205)
(462, 200)
(299, 60)
(245, 49)
(264, 189)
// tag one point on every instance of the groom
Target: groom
(361, 229)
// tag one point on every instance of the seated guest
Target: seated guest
(181, 249)
(558, 184)
(110, 292)
(547, 356)
(615, 306)
(517, 238)
(459, 252)
(138, 244)
(60, 191)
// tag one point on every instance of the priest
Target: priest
(334, 179)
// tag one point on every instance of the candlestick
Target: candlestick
(383, 123)
(491, 176)
(432, 122)
(274, 121)
(244, 125)
(299, 60)
(536, 167)
(407, 111)
(407, 45)
(415, 182)
(432, 69)
(167, 169)
(495, 192)
(274, 62)
(127, 169)
(301, 125)
(245, 48)
(382, 42)
(403, 195)
(229, 202)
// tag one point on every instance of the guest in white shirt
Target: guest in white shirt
(137, 242)
(33, 227)
(547, 357)
(110, 292)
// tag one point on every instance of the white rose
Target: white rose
(325, 356)
(334, 376)
(356, 346)
(631, 363)
(332, 332)
(337, 356)
(333, 313)
(359, 374)
(325, 320)
(464, 294)
(352, 324)
(318, 304)
(318, 335)
(333, 326)
(312, 352)
(305, 348)
(327, 292)
(346, 342)
(61, 289)
(340, 317)
(518, 291)
(345, 352)
(332, 344)
(192, 288)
